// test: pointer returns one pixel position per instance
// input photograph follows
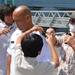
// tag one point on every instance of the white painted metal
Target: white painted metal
(51, 18)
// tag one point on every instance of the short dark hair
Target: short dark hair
(6, 9)
(31, 45)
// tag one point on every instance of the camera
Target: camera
(68, 33)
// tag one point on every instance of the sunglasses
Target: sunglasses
(72, 21)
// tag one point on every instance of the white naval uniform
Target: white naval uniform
(4, 40)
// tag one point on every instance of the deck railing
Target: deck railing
(57, 19)
(51, 18)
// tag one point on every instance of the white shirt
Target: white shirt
(30, 66)
(44, 56)
(4, 40)
(11, 48)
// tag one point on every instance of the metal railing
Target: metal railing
(51, 18)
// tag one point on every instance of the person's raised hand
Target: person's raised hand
(4, 31)
(69, 40)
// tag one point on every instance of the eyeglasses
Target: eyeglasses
(72, 21)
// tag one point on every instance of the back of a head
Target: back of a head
(31, 45)
(6, 9)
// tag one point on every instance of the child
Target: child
(28, 47)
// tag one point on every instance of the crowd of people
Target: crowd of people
(67, 52)
(25, 51)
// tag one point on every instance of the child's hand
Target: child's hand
(49, 39)
(51, 32)
(37, 28)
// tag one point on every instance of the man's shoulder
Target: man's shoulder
(16, 33)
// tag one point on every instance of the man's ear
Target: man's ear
(27, 17)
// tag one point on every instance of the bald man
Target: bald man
(23, 19)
